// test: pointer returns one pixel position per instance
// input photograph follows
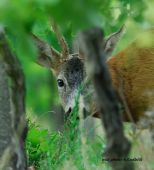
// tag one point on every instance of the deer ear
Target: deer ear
(112, 41)
(47, 56)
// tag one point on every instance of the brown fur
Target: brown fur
(132, 71)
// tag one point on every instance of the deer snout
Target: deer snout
(70, 104)
(83, 106)
(68, 109)
(84, 111)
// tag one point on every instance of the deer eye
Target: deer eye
(60, 82)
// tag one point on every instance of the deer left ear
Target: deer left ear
(112, 41)
(47, 56)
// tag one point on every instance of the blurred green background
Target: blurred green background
(20, 17)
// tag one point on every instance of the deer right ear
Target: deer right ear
(112, 40)
(47, 56)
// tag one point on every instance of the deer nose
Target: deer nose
(67, 113)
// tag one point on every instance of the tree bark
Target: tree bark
(118, 147)
(13, 125)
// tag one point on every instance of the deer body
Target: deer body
(132, 72)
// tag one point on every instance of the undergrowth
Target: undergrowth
(71, 149)
(55, 150)
(75, 149)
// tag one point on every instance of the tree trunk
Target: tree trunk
(13, 126)
(118, 146)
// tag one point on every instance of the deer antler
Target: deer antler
(48, 56)
(61, 40)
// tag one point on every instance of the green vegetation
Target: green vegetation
(47, 149)
(57, 150)
(54, 150)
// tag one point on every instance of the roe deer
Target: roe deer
(132, 72)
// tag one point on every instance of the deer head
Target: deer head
(69, 69)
